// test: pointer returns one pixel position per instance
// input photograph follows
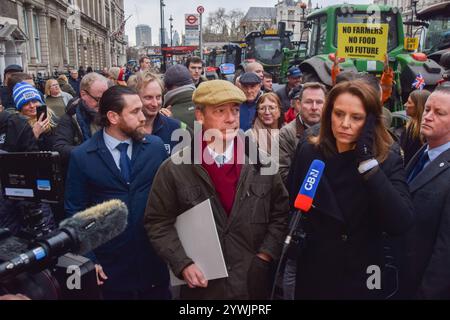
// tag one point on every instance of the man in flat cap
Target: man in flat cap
(251, 85)
(249, 207)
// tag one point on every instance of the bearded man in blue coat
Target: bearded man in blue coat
(119, 162)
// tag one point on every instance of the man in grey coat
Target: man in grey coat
(308, 102)
(427, 267)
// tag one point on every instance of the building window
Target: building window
(25, 30)
(25, 22)
(66, 43)
(37, 39)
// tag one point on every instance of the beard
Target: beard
(137, 133)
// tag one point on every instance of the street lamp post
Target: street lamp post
(413, 15)
(171, 28)
(161, 8)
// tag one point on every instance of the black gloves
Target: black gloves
(364, 145)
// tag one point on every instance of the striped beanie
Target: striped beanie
(23, 93)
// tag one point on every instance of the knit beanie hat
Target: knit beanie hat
(177, 76)
(23, 93)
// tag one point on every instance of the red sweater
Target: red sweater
(289, 115)
(225, 178)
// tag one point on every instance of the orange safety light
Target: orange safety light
(419, 56)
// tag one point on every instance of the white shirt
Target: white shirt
(112, 143)
(229, 153)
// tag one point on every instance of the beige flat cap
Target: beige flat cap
(217, 92)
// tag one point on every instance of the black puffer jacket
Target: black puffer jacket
(16, 134)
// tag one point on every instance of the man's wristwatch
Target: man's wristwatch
(367, 165)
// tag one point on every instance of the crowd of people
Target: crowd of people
(384, 199)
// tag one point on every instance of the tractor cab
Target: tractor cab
(266, 47)
(435, 40)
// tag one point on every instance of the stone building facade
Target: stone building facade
(405, 6)
(64, 34)
(293, 13)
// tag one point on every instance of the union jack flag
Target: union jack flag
(419, 82)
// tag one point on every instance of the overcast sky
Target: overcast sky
(147, 12)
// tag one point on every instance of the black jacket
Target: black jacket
(16, 134)
(6, 98)
(68, 133)
(427, 263)
(75, 84)
(46, 140)
(342, 240)
(409, 145)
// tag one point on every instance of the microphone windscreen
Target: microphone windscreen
(98, 224)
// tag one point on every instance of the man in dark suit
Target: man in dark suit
(119, 163)
(427, 264)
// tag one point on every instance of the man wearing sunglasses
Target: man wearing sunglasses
(78, 124)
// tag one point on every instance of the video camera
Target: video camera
(28, 180)
(39, 262)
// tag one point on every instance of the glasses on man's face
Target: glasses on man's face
(265, 108)
(97, 99)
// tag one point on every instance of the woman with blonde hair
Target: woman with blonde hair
(27, 99)
(361, 199)
(55, 98)
(411, 140)
(268, 120)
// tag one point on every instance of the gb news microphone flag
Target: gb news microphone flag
(419, 82)
(305, 196)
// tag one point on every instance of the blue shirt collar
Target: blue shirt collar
(112, 143)
(436, 152)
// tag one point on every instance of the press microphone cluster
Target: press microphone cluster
(79, 234)
(303, 201)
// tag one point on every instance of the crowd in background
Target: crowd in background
(384, 199)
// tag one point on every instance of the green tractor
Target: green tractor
(435, 38)
(266, 47)
(292, 57)
(322, 46)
